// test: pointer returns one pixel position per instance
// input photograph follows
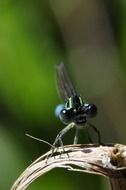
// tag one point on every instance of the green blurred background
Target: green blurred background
(90, 37)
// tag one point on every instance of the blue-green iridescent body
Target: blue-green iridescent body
(74, 102)
(75, 110)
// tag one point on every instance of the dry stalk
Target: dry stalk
(108, 160)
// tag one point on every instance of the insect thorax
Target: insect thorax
(74, 102)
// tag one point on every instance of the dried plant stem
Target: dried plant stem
(108, 160)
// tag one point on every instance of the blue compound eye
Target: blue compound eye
(58, 109)
(90, 110)
(65, 116)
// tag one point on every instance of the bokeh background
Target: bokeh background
(90, 37)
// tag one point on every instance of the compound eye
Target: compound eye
(65, 116)
(58, 109)
(90, 110)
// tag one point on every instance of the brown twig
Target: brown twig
(108, 160)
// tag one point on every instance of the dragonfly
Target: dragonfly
(74, 112)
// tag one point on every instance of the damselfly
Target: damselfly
(75, 112)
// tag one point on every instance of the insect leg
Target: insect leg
(76, 136)
(62, 133)
(97, 131)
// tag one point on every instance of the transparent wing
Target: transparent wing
(65, 86)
